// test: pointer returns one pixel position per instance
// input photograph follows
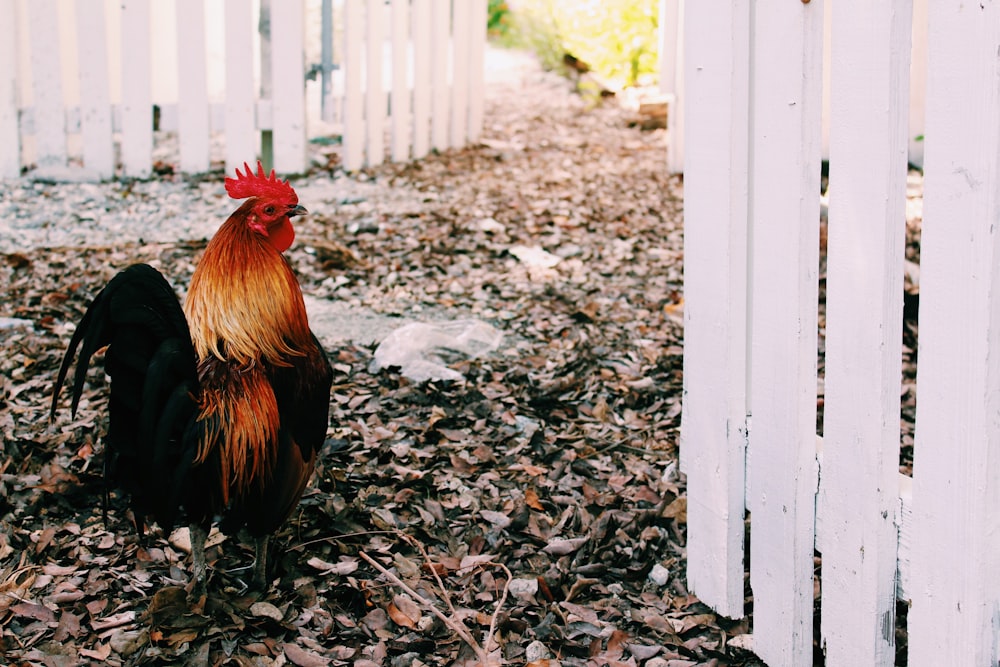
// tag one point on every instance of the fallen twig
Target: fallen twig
(452, 621)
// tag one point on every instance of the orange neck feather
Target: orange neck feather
(244, 304)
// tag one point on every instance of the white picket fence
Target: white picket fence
(752, 137)
(436, 50)
(79, 80)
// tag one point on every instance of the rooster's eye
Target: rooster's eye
(269, 210)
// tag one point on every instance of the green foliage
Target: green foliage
(498, 22)
(616, 38)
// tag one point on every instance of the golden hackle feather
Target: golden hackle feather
(244, 303)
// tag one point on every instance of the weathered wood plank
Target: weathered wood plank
(354, 122)
(46, 79)
(859, 485)
(421, 19)
(459, 102)
(401, 114)
(440, 56)
(713, 424)
(955, 614)
(95, 97)
(477, 73)
(137, 96)
(288, 89)
(242, 139)
(786, 96)
(10, 137)
(374, 85)
(672, 79)
(192, 87)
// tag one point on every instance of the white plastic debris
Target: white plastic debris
(423, 350)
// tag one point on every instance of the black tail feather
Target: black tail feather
(154, 385)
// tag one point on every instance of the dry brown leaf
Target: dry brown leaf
(399, 618)
(303, 658)
(532, 500)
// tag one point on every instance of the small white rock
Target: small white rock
(523, 589)
(659, 575)
(536, 651)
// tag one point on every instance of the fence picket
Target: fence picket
(95, 99)
(354, 128)
(192, 95)
(955, 618)
(461, 41)
(46, 69)
(374, 85)
(288, 92)
(10, 136)
(400, 103)
(440, 43)
(672, 79)
(785, 166)
(859, 484)
(242, 142)
(421, 16)
(713, 423)
(137, 96)
(477, 56)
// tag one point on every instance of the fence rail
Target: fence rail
(748, 441)
(81, 80)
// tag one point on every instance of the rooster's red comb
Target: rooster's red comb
(249, 184)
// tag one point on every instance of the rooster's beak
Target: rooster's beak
(297, 210)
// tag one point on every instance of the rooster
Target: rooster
(217, 409)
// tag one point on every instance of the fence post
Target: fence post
(288, 87)
(242, 140)
(671, 66)
(10, 136)
(477, 84)
(786, 94)
(193, 128)
(955, 615)
(421, 17)
(400, 101)
(354, 122)
(137, 96)
(440, 42)
(713, 422)
(95, 96)
(46, 73)
(460, 41)
(859, 484)
(374, 85)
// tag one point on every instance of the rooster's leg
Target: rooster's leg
(200, 569)
(260, 564)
